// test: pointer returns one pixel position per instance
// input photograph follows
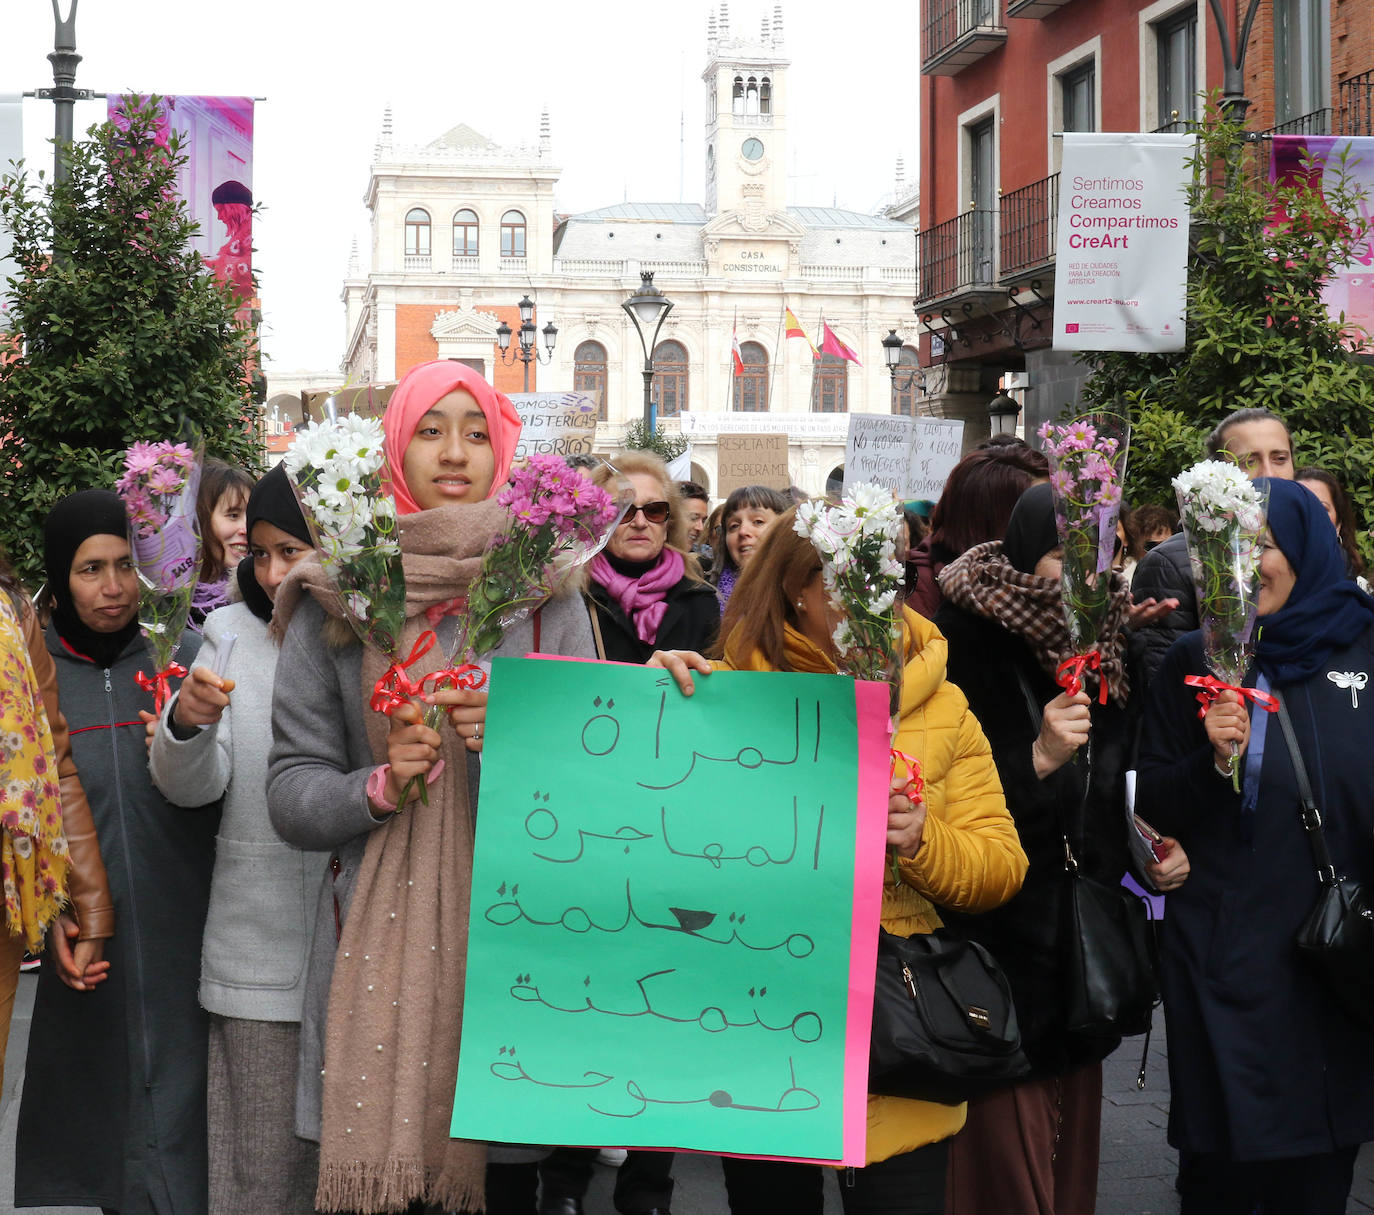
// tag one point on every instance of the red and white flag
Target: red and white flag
(735, 350)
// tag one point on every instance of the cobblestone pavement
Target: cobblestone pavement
(1136, 1175)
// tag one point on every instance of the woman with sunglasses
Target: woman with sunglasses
(645, 588)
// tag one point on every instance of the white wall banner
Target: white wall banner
(11, 148)
(1121, 261)
(802, 427)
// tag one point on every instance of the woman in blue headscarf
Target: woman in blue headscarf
(1272, 1084)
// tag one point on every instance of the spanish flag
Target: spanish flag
(794, 329)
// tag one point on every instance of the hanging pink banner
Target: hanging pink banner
(1318, 160)
(216, 180)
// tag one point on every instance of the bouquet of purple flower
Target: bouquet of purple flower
(159, 485)
(1087, 458)
(559, 520)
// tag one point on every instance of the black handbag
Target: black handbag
(1337, 937)
(944, 1026)
(1106, 944)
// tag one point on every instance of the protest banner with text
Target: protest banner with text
(674, 914)
(751, 460)
(555, 424)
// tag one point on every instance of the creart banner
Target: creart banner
(1121, 258)
(674, 911)
(216, 180)
(1318, 159)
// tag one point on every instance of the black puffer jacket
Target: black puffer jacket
(984, 661)
(1164, 573)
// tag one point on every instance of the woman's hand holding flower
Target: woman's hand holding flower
(906, 821)
(1228, 729)
(1064, 728)
(411, 750)
(202, 700)
(467, 713)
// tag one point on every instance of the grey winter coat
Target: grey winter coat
(317, 783)
(113, 1109)
(264, 892)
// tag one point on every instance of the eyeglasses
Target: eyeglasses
(653, 512)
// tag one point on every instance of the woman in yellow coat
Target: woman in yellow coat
(956, 848)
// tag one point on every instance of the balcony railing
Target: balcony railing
(957, 33)
(1318, 122)
(416, 261)
(1030, 222)
(957, 256)
(1355, 105)
(462, 264)
(1035, 8)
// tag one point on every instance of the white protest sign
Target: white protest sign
(878, 451)
(1120, 273)
(938, 446)
(555, 424)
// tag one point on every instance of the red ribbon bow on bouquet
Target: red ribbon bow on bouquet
(1069, 674)
(1209, 688)
(396, 688)
(916, 784)
(158, 684)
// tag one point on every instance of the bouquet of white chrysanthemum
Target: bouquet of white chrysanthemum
(336, 467)
(857, 543)
(1223, 514)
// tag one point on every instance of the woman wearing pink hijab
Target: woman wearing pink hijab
(379, 1034)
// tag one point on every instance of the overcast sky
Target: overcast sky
(618, 77)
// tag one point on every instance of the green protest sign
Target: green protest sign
(665, 911)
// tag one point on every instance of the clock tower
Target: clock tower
(746, 118)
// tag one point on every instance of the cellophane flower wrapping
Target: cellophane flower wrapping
(1087, 458)
(337, 469)
(159, 484)
(1223, 515)
(857, 544)
(559, 520)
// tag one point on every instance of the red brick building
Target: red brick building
(1000, 78)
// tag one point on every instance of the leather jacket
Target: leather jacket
(87, 885)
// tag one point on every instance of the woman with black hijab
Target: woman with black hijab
(262, 900)
(1272, 1084)
(1033, 1146)
(113, 1108)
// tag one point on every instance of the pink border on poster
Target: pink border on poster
(873, 730)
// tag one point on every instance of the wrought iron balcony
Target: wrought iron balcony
(1318, 122)
(957, 33)
(1355, 105)
(1029, 223)
(957, 257)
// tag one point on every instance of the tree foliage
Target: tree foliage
(1258, 331)
(120, 333)
(667, 447)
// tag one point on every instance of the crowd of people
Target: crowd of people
(241, 878)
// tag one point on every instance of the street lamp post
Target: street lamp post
(1002, 414)
(648, 307)
(527, 353)
(892, 354)
(63, 94)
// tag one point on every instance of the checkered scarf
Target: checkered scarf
(984, 582)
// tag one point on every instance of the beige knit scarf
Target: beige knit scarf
(396, 1003)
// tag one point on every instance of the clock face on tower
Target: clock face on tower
(751, 149)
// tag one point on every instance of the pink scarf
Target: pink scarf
(642, 599)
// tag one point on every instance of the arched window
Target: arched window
(670, 378)
(830, 384)
(512, 234)
(834, 481)
(765, 96)
(589, 373)
(417, 232)
(737, 97)
(751, 385)
(465, 234)
(751, 96)
(907, 382)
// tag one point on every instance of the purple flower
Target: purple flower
(1063, 482)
